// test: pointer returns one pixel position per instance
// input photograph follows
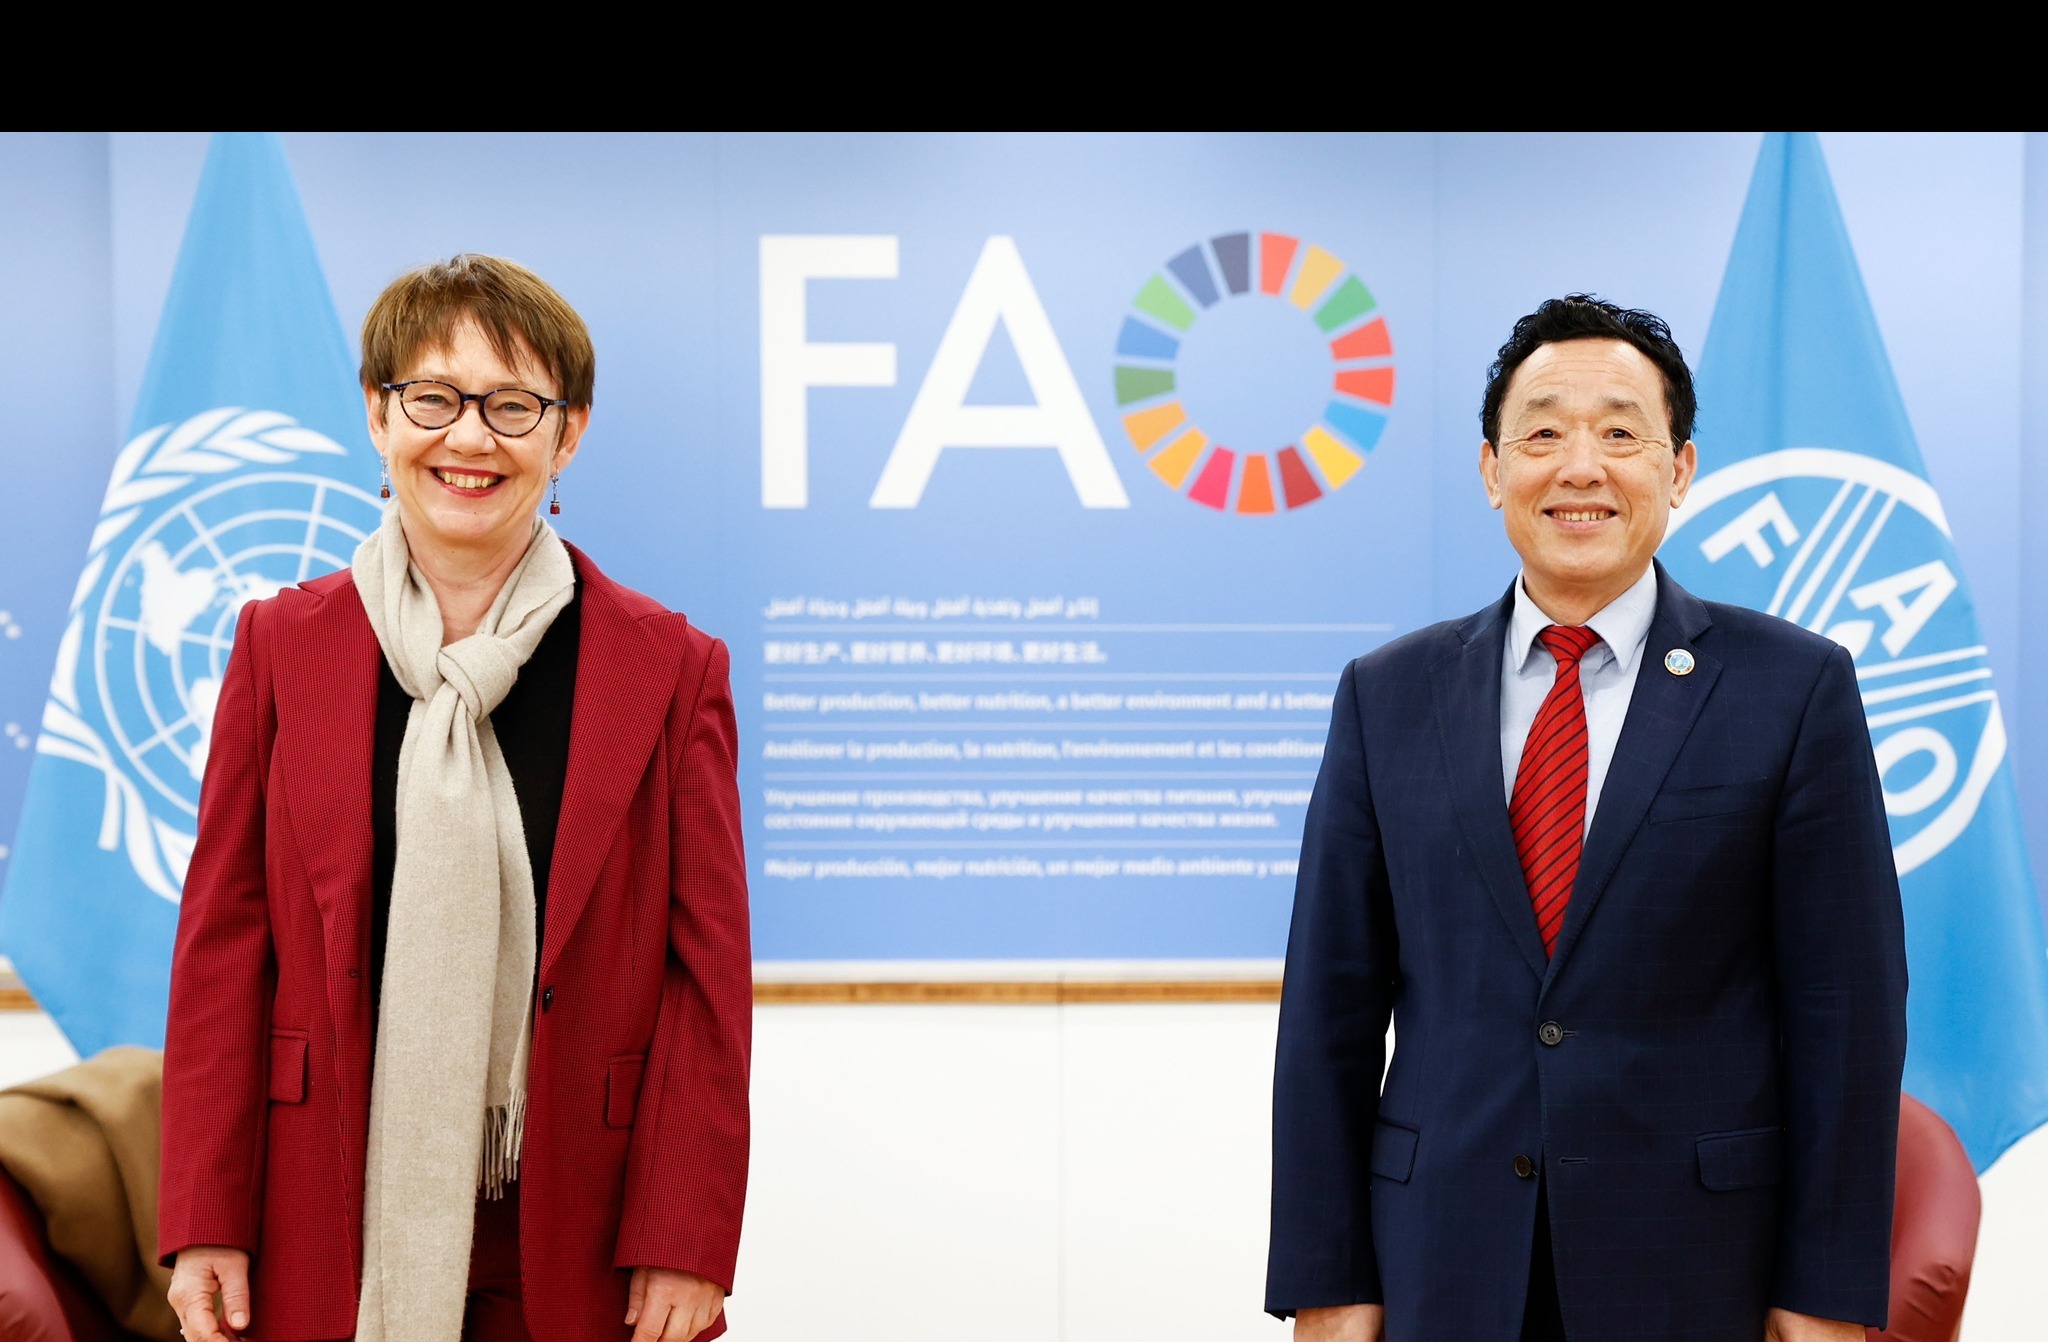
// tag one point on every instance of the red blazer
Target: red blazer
(636, 1120)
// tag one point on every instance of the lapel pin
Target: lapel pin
(1678, 662)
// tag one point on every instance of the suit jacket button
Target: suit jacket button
(1525, 1168)
(1551, 1033)
(547, 998)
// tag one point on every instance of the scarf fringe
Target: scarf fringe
(504, 1130)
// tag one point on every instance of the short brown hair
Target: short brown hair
(517, 310)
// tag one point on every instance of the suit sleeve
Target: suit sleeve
(1841, 969)
(223, 977)
(687, 1166)
(1334, 1007)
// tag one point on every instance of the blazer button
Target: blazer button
(1525, 1168)
(1551, 1033)
(547, 998)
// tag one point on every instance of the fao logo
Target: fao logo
(198, 521)
(1859, 550)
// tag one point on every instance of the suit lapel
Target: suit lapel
(1661, 713)
(326, 686)
(1468, 723)
(625, 678)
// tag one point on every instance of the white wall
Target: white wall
(997, 1173)
(1066, 1173)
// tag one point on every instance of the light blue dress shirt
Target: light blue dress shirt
(1607, 678)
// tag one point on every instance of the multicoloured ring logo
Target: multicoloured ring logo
(1361, 354)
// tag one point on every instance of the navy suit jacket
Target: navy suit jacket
(1706, 1073)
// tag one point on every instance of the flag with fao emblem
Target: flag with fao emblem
(1813, 504)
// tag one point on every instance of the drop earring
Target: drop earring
(383, 477)
(555, 494)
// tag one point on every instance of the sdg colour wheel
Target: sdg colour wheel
(1362, 373)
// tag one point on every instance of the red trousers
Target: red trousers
(494, 1312)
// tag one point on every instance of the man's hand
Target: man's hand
(1782, 1325)
(669, 1305)
(1341, 1323)
(203, 1271)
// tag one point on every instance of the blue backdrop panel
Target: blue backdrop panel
(1060, 699)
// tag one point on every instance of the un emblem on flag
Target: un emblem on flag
(200, 517)
(1859, 550)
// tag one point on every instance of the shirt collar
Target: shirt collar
(1623, 623)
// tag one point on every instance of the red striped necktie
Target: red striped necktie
(1548, 810)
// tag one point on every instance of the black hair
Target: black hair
(1584, 317)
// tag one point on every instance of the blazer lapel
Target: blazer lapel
(326, 686)
(625, 678)
(1661, 714)
(1468, 723)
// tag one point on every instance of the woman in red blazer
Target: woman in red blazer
(620, 1204)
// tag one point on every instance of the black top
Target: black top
(533, 730)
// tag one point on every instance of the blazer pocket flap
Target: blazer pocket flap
(1701, 803)
(1393, 1151)
(1752, 1159)
(287, 1066)
(622, 1089)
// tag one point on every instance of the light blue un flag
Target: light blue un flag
(243, 474)
(1812, 504)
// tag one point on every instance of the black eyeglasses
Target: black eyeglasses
(511, 411)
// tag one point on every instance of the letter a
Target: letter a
(999, 290)
(1932, 581)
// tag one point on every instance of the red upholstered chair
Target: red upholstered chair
(42, 1299)
(1934, 1230)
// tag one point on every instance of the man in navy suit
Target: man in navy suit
(1614, 860)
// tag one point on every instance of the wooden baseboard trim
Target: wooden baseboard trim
(1053, 992)
(1025, 992)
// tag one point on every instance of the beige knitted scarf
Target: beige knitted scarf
(448, 1095)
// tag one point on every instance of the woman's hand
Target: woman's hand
(203, 1271)
(669, 1305)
